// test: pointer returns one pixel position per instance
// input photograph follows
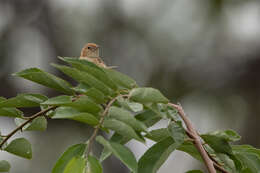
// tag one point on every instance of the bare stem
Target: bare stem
(31, 118)
(101, 121)
(194, 135)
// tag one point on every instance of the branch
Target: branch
(101, 121)
(25, 123)
(194, 135)
(217, 165)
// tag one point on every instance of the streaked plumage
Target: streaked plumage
(90, 52)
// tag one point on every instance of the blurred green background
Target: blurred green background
(204, 54)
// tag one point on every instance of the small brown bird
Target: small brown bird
(90, 52)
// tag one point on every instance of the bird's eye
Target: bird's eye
(88, 47)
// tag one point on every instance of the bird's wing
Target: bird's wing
(100, 62)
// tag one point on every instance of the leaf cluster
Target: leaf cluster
(130, 117)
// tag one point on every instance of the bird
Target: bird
(90, 52)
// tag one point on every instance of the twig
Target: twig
(101, 121)
(217, 165)
(193, 134)
(3, 136)
(25, 123)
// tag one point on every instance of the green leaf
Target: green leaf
(20, 147)
(38, 124)
(246, 148)
(93, 165)
(74, 114)
(177, 132)
(229, 135)
(236, 161)
(123, 81)
(135, 107)
(96, 95)
(147, 95)
(11, 112)
(76, 165)
(81, 88)
(156, 155)
(121, 152)
(82, 76)
(4, 166)
(59, 100)
(248, 156)
(158, 134)
(105, 154)
(218, 143)
(249, 160)
(71, 152)
(189, 148)
(227, 162)
(81, 61)
(246, 170)
(223, 159)
(95, 71)
(148, 117)
(91, 92)
(24, 100)
(131, 106)
(122, 128)
(172, 113)
(159, 108)
(126, 117)
(84, 103)
(194, 171)
(38, 76)
(115, 138)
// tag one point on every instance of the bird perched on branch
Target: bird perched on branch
(90, 52)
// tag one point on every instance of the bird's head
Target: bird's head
(90, 50)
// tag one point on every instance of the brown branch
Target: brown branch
(218, 167)
(101, 121)
(25, 123)
(194, 135)
(216, 164)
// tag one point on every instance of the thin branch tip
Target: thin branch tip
(101, 121)
(31, 118)
(192, 133)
